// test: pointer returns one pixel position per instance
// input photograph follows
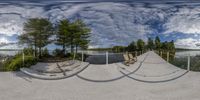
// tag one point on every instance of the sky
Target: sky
(113, 22)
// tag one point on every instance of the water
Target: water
(8, 53)
(180, 59)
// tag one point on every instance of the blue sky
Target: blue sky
(112, 22)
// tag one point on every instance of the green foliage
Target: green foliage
(140, 44)
(81, 33)
(168, 46)
(63, 34)
(76, 56)
(150, 44)
(132, 46)
(157, 43)
(16, 63)
(37, 33)
(73, 34)
(118, 49)
(28, 51)
(45, 53)
(58, 53)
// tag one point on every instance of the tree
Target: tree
(73, 34)
(172, 46)
(81, 35)
(118, 49)
(165, 45)
(140, 44)
(157, 43)
(63, 34)
(132, 46)
(37, 32)
(150, 44)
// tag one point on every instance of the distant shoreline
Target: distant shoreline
(181, 49)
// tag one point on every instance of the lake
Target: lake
(181, 60)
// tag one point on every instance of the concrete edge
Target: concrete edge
(84, 66)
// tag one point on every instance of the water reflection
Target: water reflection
(186, 53)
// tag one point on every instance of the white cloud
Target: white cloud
(186, 21)
(188, 43)
(3, 40)
(111, 23)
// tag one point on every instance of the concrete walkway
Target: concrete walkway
(153, 69)
(106, 82)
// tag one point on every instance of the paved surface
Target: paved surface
(116, 86)
(153, 69)
(56, 73)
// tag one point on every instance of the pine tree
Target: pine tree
(157, 43)
(37, 33)
(150, 44)
(140, 44)
(63, 34)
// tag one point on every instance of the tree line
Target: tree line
(151, 44)
(39, 32)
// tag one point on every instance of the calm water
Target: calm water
(8, 53)
(181, 59)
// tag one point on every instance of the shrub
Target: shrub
(45, 53)
(16, 62)
(28, 51)
(58, 53)
(78, 56)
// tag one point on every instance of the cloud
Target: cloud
(112, 23)
(4, 40)
(186, 20)
(188, 43)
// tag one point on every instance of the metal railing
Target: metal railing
(186, 64)
(106, 57)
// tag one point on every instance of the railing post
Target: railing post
(82, 56)
(188, 65)
(167, 56)
(135, 53)
(34, 54)
(107, 58)
(161, 53)
(23, 57)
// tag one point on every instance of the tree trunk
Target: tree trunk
(35, 51)
(76, 48)
(64, 49)
(72, 46)
(40, 52)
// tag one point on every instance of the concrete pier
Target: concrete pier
(150, 78)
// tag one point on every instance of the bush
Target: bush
(16, 63)
(78, 56)
(28, 51)
(45, 53)
(58, 53)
